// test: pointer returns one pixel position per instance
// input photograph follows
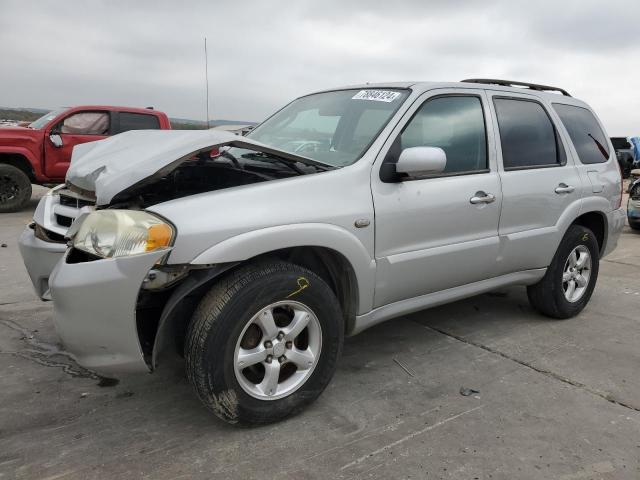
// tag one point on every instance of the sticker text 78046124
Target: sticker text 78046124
(376, 95)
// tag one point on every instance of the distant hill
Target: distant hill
(31, 114)
(21, 114)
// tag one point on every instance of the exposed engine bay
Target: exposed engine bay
(208, 171)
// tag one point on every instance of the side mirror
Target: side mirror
(56, 140)
(417, 161)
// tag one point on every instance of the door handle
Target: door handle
(482, 197)
(564, 188)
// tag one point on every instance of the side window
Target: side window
(585, 133)
(527, 136)
(86, 123)
(455, 124)
(137, 121)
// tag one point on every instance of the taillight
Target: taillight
(621, 186)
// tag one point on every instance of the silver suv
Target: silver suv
(254, 256)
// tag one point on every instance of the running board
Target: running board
(410, 305)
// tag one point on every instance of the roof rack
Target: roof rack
(510, 83)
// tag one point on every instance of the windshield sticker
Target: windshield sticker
(376, 95)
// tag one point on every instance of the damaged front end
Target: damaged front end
(118, 302)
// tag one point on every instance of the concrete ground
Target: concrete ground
(557, 399)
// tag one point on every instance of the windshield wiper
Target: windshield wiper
(267, 157)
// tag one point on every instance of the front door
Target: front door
(438, 232)
(78, 127)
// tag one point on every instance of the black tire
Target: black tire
(221, 317)
(547, 296)
(15, 188)
(634, 225)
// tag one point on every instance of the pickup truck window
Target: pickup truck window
(137, 121)
(527, 136)
(585, 133)
(335, 127)
(86, 123)
(456, 125)
(46, 118)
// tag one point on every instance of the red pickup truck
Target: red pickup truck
(40, 153)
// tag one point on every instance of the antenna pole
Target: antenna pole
(206, 76)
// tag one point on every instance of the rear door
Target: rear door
(439, 231)
(76, 128)
(540, 182)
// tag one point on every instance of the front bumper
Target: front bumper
(95, 310)
(615, 220)
(39, 258)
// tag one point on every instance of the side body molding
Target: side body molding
(256, 242)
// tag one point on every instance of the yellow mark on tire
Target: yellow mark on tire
(585, 237)
(302, 284)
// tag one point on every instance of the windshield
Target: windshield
(46, 118)
(334, 128)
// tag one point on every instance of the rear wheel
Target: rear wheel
(264, 342)
(570, 279)
(15, 188)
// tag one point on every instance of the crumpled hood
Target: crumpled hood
(109, 166)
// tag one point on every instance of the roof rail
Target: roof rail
(510, 83)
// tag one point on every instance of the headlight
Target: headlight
(118, 233)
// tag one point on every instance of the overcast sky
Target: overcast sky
(264, 53)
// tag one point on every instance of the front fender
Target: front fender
(27, 154)
(251, 244)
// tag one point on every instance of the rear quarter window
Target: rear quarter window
(585, 132)
(137, 121)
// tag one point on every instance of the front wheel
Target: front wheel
(570, 279)
(15, 188)
(264, 342)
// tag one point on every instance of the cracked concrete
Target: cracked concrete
(558, 399)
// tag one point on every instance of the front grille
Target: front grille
(74, 202)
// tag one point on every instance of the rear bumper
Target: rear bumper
(95, 310)
(39, 258)
(615, 221)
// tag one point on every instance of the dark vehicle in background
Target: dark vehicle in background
(624, 154)
(40, 152)
(633, 205)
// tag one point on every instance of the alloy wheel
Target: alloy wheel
(278, 350)
(576, 273)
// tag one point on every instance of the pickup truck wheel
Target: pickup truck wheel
(15, 188)
(263, 342)
(570, 279)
